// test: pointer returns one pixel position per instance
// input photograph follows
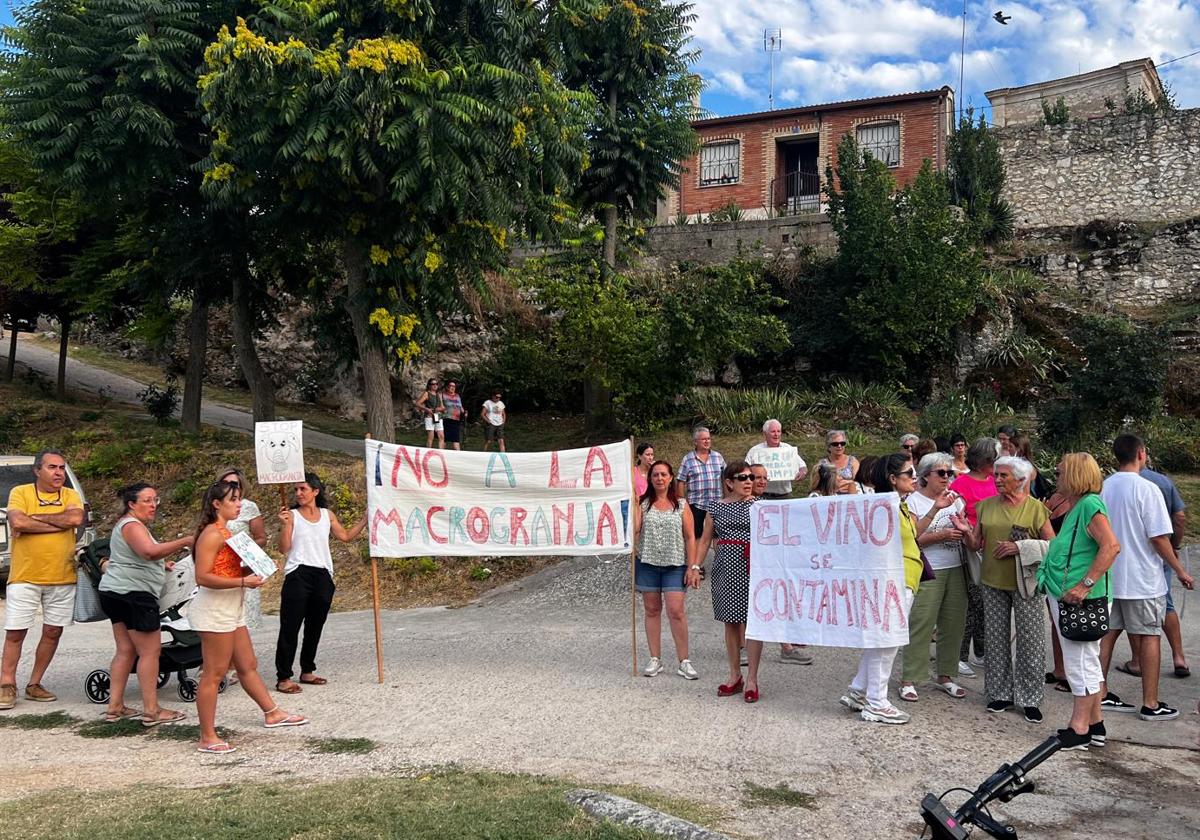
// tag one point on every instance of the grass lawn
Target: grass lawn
(435, 805)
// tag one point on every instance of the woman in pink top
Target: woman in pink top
(973, 487)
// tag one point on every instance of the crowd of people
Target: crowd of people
(42, 518)
(992, 549)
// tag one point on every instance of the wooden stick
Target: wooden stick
(375, 602)
(633, 500)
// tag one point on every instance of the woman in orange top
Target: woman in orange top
(217, 613)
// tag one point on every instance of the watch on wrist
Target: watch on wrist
(694, 568)
(1088, 582)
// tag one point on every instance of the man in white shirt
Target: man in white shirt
(1139, 588)
(775, 455)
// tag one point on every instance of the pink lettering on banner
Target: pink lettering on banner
(596, 454)
(517, 527)
(555, 481)
(868, 598)
(781, 588)
(823, 531)
(788, 538)
(418, 465)
(767, 614)
(392, 517)
(888, 519)
(825, 614)
(434, 455)
(852, 601)
(403, 455)
(606, 519)
(429, 524)
(478, 525)
(892, 598)
(843, 588)
(564, 523)
(766, 517)
(852, 515)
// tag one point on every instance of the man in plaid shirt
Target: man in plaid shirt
(699, 477)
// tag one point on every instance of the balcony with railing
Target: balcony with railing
(796, 193)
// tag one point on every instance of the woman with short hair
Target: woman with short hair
(1075, 569)
(1011, 515)
(133, 576)
(842, 461)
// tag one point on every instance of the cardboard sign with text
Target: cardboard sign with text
(782, 462)
(828, 571)
(279, 451)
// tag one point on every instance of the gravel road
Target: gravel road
(536, 678)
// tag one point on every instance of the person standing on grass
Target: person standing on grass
(666, 540)
(495, 415)
(456, 415)
(308, 586)
(1143, 528)
(699, 477)
(973, 487)
(42, 520)
(217, 614)
(433, 410)
(134, 574)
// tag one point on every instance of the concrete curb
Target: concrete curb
(606, 806)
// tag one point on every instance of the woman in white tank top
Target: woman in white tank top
(308, 580)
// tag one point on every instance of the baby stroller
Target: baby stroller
(181, 652)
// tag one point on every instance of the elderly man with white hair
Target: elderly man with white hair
(779, 458)
(1001, 521)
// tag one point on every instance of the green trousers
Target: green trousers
(940, 603)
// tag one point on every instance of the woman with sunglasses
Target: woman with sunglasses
(433, 409)
(941, 602)
(728, 524)
(844, 463)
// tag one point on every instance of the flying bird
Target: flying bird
(1001, 18)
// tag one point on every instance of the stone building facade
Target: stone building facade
(1086, 95)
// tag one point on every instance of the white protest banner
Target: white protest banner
(279, 451)
(828, 571)
(444, 502)
(782, 462)
(253, 557)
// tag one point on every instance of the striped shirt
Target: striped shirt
(703, 479)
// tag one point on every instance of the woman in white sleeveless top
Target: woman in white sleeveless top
(308, 580)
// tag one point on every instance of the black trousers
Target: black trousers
(305, 599)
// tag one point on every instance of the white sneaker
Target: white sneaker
(977, 661)
(964, 670)
(686, 670)
(853, 700)
(885, 714)
(653, 667)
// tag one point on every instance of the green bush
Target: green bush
(1174, 443)
(973, 415)
(185, 492)
(870, 405)
(160, 403)
(10, 430)
(109, 459)
(746, 409)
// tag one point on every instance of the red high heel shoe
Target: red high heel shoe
(730, 689)
(751, 695)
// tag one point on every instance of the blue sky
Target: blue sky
(845, 49)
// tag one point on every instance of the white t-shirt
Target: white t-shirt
(758, 455)
(494, 411)
(1138, 513)
(941, 555)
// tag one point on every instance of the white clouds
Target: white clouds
(839, 49)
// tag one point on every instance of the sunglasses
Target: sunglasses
(838, 443)
(744, 477)
(908, 473)
(942, 473)
(906, 446)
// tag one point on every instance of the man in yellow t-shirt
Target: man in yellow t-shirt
(42, 518)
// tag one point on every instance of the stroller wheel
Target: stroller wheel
(187, 689)
(163, 679)
(97, 685)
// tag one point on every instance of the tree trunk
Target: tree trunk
(262, 389)
(610, 212)
(193, 378)
(377, 380)
(11, 367)
(63, 340)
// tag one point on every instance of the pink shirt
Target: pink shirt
(973, 491)
(639, 482)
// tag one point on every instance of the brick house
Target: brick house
(772, 163)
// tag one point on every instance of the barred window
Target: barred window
(881, 141)
(720, 163)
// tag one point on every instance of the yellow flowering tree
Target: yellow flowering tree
(411, 135)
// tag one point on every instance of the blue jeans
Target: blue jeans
(649, 578)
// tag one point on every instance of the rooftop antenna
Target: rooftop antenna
(772, 43)
(962, 50)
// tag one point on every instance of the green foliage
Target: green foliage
(973, 414)
(729, 212)
(186, 492)
(160, 403)
(1174, 443)
(480, 573)
(1056, 114)
(975, 171)
(746, 409)
(10, 429)
(1139, 103)
(341, 499)
(869, 404)
(901, 257)
(681, 219)
(109, 459)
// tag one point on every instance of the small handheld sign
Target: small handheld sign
(253, 557)
(279, 451)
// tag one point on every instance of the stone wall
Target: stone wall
(1136, 168)
(722, 242)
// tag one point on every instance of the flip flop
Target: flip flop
(314, 680)
(908, 693)
(1127, 668)
(952, 688)
(1183, 671)
(171, 717)
(125, 714)
(1062, 685)
(287, 687)
(290, 720)
(219, 748)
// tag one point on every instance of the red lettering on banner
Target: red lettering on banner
(604, 468)
(392, 517)
(841, 588)
(788, 539)
(517, 525)
(763, 616)
(825, 613)
(565, 520)
(796, 592)
(781, 588)
(429, 524)
(823, 532)
(555, 481)
(441, 459)
(889, 520)
(892, 596)
(478, 525)
(402, 454)
(852, 514)
(605, 519)
(868, 599)
(763, 511)
(810, 587)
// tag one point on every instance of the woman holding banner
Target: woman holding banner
(728, 523)
(867, 692)
(308, 586)
(666, 539)
(216, 613)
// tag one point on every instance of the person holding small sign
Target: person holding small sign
(308, 580)
(217, 613)
(432, 409)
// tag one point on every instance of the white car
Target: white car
(18, 469)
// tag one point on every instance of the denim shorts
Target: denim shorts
(659, 578)
(1170, 575)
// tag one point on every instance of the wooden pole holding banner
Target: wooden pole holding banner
(375, 601)
(633, 553)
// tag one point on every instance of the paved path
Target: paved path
(82, 377)
(536, 678)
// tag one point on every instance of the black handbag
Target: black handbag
(1086, 621)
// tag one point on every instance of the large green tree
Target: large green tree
(411, 134)
(634, 57)
(975, 172)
